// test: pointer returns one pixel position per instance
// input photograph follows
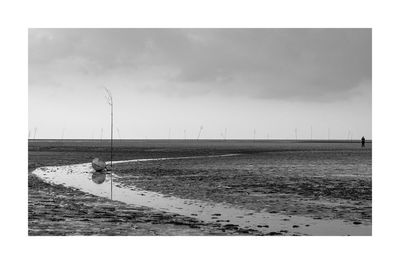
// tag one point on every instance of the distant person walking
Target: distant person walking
(363, 142)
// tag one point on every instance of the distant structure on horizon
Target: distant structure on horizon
(119, 135)
(201, 128)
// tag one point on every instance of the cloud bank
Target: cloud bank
(283, 64)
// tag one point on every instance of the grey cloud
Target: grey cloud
(312, 64)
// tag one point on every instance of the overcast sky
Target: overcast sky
(165, 81)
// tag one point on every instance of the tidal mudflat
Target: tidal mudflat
(201, 188)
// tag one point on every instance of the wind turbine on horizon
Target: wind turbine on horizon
(201, 128)
(349, 135)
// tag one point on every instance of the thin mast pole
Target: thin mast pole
(111, 131)
(111, 146)
(110, 102)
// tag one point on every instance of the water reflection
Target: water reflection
(99, 177)
(82, 177)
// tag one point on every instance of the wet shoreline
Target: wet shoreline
(80, 176)
(58, 210)
(55, 210)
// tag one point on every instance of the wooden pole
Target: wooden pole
(110, 102)
(111, 134)
(111, 146)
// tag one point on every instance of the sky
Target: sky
(167, 83)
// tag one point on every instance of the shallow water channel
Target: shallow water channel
(84, 178)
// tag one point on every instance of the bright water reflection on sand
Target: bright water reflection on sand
(82, 177)
(99, 177)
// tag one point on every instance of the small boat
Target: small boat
(98, 165)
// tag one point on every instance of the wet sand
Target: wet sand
(84, 178)
(55, 210)
(171, 214)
